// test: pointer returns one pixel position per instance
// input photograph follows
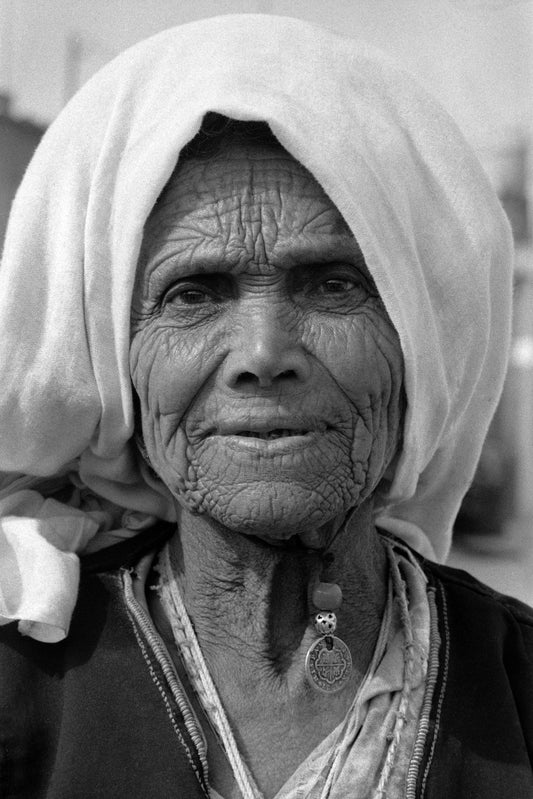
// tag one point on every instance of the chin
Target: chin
(275, 511)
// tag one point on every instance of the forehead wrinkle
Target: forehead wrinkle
(244, 209)
(199, 180)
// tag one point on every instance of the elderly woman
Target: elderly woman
(254, 320)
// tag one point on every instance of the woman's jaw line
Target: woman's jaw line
(314, 540)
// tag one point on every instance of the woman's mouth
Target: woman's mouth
(266, 437)
(271, 434)
(269, 443)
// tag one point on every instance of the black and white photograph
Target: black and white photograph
(266, 399)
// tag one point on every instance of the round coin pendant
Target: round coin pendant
(328, 664)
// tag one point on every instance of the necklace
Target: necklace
(328, 662)
(326, 596)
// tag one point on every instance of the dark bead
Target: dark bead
(327, 596)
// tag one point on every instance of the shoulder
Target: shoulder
(476, 601)
(482, 684)
(478, 598)
(486, 649)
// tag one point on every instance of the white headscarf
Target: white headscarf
(431, 230)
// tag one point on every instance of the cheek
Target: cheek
(362, 354)
(361, 351)
(168, 370)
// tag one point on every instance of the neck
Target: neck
(250, 602)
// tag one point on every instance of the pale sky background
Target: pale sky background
(475, 55)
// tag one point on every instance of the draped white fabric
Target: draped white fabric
(430, 228)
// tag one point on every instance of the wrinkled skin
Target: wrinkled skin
(254, 312)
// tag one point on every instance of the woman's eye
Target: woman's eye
(336, 286)
(187, 296)
(330, 284)
(205, 290)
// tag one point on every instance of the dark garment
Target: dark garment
(96, 716)
(482, 710)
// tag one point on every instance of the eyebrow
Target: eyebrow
(168, 262)
(338, 247)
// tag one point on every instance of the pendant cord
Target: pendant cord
(342, 527)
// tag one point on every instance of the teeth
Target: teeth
(279, 433)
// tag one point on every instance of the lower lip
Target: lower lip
(270, 445)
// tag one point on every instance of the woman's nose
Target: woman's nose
(264, 351)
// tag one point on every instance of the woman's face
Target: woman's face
(268, 373)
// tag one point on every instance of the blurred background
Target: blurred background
(476, 56)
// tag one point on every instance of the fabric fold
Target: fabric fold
(39, 567)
